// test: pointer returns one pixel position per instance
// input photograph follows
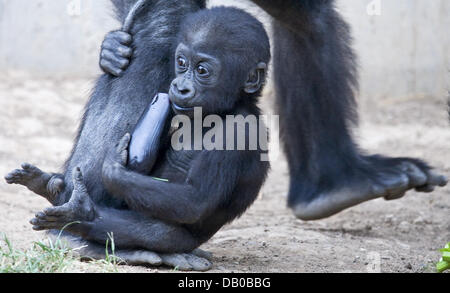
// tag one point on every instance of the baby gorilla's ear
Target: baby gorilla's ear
(256, 78)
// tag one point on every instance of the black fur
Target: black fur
(315, 81)
(205, 189)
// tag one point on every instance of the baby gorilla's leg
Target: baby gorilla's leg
(44, 184)
(197, 260)
(135, 235)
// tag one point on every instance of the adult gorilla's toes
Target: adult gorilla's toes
(420, 176)
(395, 185)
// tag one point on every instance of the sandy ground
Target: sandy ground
(38, 120)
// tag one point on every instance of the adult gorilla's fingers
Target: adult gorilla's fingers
(117, 48)
(121, 36)
(177, 261)
(108, 67)
(198, 263)
(117, 61)
(124, 51)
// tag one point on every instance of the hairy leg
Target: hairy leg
(315, 80)
(47, 185)
(197, 260)
(135, 235)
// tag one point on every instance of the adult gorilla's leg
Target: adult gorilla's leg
(315, 79)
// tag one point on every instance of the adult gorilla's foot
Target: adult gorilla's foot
(44, 184)
(377, 177)
(80, 208)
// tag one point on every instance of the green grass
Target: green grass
(51, 256)
(444, 262)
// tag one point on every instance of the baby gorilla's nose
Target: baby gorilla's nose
(183, 91)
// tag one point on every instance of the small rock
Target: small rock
(409, 266)
(404, 227)
(421, 221)
(390, 219)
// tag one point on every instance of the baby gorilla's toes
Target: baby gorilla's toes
(82, 206)
(41, 183)
(26, 176)
(186, 262)
(79, 209)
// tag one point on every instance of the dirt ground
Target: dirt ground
(38, 120)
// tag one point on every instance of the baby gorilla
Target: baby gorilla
(220, 65)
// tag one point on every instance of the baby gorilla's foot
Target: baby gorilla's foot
(42, 183)
(80, 208)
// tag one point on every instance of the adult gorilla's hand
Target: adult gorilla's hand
(116, 52)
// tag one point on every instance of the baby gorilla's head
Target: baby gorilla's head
(221, 61)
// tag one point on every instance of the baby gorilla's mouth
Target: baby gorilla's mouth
(182, 109)
(179, 110)
(176, 107)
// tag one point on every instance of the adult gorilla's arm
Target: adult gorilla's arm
(210, 180)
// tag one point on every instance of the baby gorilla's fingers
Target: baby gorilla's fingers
(122, 149)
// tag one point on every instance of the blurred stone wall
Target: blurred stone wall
(403, 45)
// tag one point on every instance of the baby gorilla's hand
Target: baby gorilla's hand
(116, 52)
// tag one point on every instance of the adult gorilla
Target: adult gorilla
(315, 79)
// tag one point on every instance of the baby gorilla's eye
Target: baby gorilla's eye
(181, 62)
(202, 70)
